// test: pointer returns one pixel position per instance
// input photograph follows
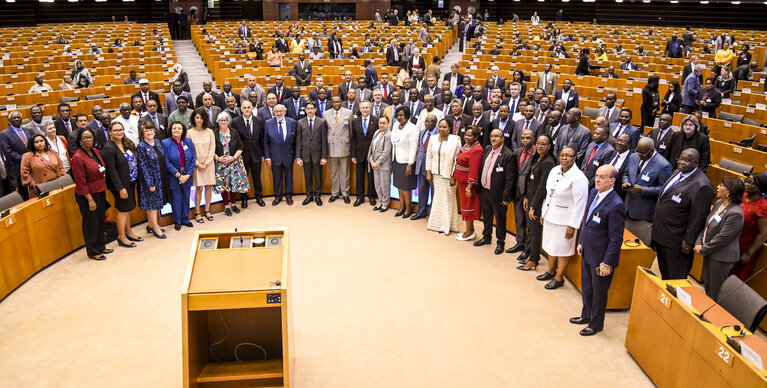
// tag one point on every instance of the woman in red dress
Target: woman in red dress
(754, 225)
(467, 168)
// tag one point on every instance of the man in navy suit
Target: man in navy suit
(646, 173)
(296, 105)
(602, 230)
(279, 150)
(624, 126)
(13, 144)
(598, 153)
(568, 95)
(425, 189)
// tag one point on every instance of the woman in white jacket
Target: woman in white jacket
(440, 163)
(535, 19)
(562, 212)
(404, 139)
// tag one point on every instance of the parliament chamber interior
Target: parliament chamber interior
(150, 153)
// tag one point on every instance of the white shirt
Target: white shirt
(60, 150)
(421, 123)
(131, 127)
(284, 129)
(621, 158)
(600, 196)
(565, 95)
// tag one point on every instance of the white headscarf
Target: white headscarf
(177, 68)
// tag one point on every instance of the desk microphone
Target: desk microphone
(701, 315)
(235, 231)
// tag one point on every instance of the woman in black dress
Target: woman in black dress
(672, 101)
(584, 66)
(119, 155)
(650, 101)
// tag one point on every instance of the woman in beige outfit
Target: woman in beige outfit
(440, 164)
(205, 171)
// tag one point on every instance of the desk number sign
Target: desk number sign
(724, 354)
(665, 300)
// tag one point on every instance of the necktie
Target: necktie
(475, 122)
(311, 127)
(523, 158)
(22, 136)
(247, 124)
(156, 123)
(456, 125)
(296, 104)
(365, 126)
(210, 116)
(146, 98)
(615, 160)
(282, 135)
(322, 108)
(386, 92)
(426, 142)
(396, 55)
(593, 206)
(675, 181)
(336, 117)
(607, 113)
(378, 110)
(527, 125)
(513, 106)
(641, 166)
(593, 152)
(619, 131)
(279, 94)
(69, 126)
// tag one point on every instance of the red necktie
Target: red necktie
(527, 124)
(146, 98)
(426, 143)
(386, 92)
(22, 136)
(592, 155)
(476, 121)
(523, 158)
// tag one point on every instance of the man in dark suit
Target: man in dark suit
(371, 75)
(159, 120)
(624, 126)
(207, 87)
(312, 152)
(279, 89)
(477, 95)
(526, 122)
(363, 128)
(432, 89)
(296, 104)
(662, 135)
(65, 124)
(147, 94)
(610, 111)
(346, 85)
(552, 126)
(690, 67)
(335, 47)
(568, 95)
(478, 119)
(574, 134)
(387, 88)
(620, 161)
(251, 131)
(505, 124)
(351, 102)
(378, 106)
(628, 65)
(302, 70)
(454, 77)
(227, 92)
(414, 104)
(281, 43)
(646, 173)
(709, 98)
(523, 157)
(498, 177)
(690, 137)
(599, 244)
(322, 102)
(279, 150)
(99, 127)
(425, 189)
(244, 31)
(457, 120)
(319, 83)
(674, 47)
(13, 144)
(598, 153)
(680, 214)
(393, 53)
(461, 34)
(497, 80)
(266, 112)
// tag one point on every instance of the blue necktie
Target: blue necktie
(297, 112)
(513, 107)
(592, 207)
(310, 127)
(322, 108)
(365, 126)
(279, 124)
(675, 181)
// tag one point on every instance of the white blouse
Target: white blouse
(566, 195)
(60, 150)
(404, 143)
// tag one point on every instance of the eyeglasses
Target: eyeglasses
(566, 156)
(86, 138)
(117, 131)
(541, 144)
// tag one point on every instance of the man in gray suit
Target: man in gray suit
(547, 80)
(351, 103)
(378, 105)
(599, 152)
(36, 113)
(573, 134)
(646, 173)
(302, 71)
(525, 123)
(312, 151)
(610, 111)
(252, 87)
(386, 87)
(212, 110)
(159, 120)
(175, 93)
(339, 122)
(346, 85)
(522, 160)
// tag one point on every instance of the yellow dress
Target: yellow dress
(297, 47)
(723, 57)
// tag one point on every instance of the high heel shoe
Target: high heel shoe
(122, 244)
(407, 215)
(149, 229)
(399, 213)
(522, 267)
(137, 239)
(160, 236)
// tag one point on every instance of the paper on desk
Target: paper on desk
(751, 355)
(683, 296)
(726, 101)
(760, 106)
(746, 90)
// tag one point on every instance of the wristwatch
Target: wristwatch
(178, 175)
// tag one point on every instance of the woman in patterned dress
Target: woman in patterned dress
(231, 176)
(467, 167)
(151, 169)
(440, 163)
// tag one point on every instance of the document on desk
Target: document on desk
(751, 355)
(684, 296)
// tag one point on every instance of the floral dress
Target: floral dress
(230, 176)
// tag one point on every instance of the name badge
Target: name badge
(596, 163)
(185, 147)
(662, 146)
(677, 198)
(717, 218)
(506, 134)
(532, 177)
(129, 152)
(499, 169)
(645, 178)
(596, 219)
(102, 169)
(708, 100)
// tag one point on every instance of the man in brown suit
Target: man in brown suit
(312, 151)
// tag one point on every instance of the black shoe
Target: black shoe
(227, 212)
(588, 331)
(122, 244)
(333, 198)
(545, 276)
(347, 200)
(373, 201)
(523, 268)
(307, 200)
(160, 236)
(523, 256)
(516, 248)
(554, 284)
(188, 224)
(358, 202)
(276, 201)
(418, 217)
(107, 251)
(384, 209)
(579, 321)
(244, 203)
(407, 215)
(137, 239)
(499, 248)
(481, 242)
(261, 202)
(98, 257)
(399, 213)
(177, 226)
(149, 229)
(318, 200)
(235, 210)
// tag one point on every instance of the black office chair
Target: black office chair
(745, 304)
(762, 147)
(752, 122)
(58, 183)
(591, 113)
(10, 200)
(734, 166)
(747, 142)
(730, 117)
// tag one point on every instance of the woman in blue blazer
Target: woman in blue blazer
(180, 160)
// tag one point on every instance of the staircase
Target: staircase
(188, 57)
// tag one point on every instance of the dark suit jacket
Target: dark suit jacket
(469, 103)
(312, 148)
(655, 174)
(159, 133)
(118, 172)
(721, 242)
(221, 100)
(712, 99)
(501, 82)
(503, 179)
(662, 145)
(412, 62)
(253, 141)
(313, 93)
(604, 155)
(285, 93)
(681, 211)
(523, 172)
(602, 240)
(390, 56)
(291, 108)
(630, 129)
(303, 72)
(280, 151)
(282, 45)
(535, 181)
(519, 126)
(101, 136)
(485, 127)
(264, 113)
(465, 121)
(572, 101)
(449, 75)
(359, 143)
(508, 130)
(198, 99)
(61, 128)
(580, 139)
(699, 141)
(416, 109)
(343, 89)
(355, 109)
(13, 148)
(152, 96)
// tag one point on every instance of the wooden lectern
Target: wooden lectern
(235, 302)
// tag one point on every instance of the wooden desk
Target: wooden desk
(234, 296)
(676, 349)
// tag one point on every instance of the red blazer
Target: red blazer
(85, 171)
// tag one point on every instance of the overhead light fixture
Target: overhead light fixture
(10, 1)
(645, 1)
(736, 2)
(46, 1)
(674, 1)
(704, 2)
(618, 1)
